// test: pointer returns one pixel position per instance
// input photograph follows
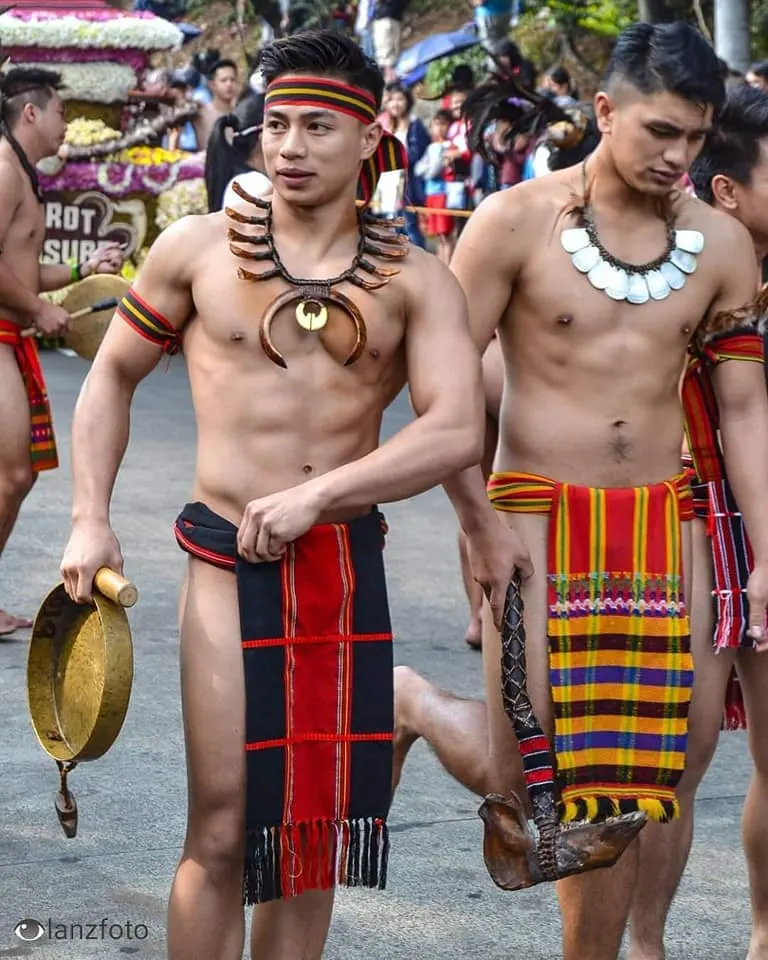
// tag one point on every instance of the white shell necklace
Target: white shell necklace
(635, 283)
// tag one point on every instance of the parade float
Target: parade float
(109, 184)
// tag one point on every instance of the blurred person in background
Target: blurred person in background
(181, 88)
(234, 153)
(387, 31)
(757, 75)
(557, 84)
(224, 87)
(492, 20)
(398, 119)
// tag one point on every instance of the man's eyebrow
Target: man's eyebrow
(667, 125)
(309, 115)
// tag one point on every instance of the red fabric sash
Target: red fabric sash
(702, 417)
(42, 441)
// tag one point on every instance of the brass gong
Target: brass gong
(85, 334)
(79, 677)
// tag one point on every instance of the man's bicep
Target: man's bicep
(486, 264)
(153, 311)
(739, 275)
(444, 368)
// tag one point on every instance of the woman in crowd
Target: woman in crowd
(399, 120)
(234, 151)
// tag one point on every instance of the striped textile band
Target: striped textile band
(620, 664)
(327, 94)
(43, 453)
(148, 323)
(702, 417)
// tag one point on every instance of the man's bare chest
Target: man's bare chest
(355, 328)
(557, 296)
(26, 232)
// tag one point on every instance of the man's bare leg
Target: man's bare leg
(205, 915)
(292, 929)
(664, 848)
(753, 674)
(473, 740)
(474, 592)
(16, 474)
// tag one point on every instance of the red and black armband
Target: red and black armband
(148, 323)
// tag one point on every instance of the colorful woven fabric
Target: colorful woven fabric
(148, 323)
(702, 417)
(621, 669)
(732, 563)
(327, 94)
(317, 653)
(731, 551)
(42, 440)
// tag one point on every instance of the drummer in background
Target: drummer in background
(32, 127)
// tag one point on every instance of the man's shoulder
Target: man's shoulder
(424, 275)
(527, 201)
(720, 229)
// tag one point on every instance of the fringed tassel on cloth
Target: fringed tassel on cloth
(597, 809)
(285, 861)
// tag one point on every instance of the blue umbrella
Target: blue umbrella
(189, 30)
(434, 48)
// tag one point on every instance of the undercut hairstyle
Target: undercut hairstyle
(667, 58)
(732, 148)
(23, 85)
(323, 53)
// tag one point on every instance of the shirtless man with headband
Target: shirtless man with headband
(592, 507)
(286, 641)
(32, 127)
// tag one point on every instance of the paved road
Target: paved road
(441, 905)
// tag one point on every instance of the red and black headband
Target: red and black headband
(327, 94)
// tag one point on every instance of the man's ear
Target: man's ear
(724, 193)
(371, 139)
(29, 112)
(605, 110)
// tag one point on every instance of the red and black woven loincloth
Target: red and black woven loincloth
(317, 653)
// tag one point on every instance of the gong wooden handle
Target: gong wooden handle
(115, 588)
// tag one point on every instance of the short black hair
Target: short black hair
(23, 85)
(667, 57)
(760, 69)
(324, 53)
(445, 116)
(220, 65)
(732, 148)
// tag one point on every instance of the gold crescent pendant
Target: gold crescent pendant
(313, 320)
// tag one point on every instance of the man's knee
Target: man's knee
(215, 840)
(16, 480)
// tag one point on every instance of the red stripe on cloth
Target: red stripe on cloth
(619, 519)
(197, 551)
(317, 696)
(320, 738)
(539, 776)
(534, 745)
(300, 641)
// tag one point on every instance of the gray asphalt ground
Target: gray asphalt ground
(440, 904)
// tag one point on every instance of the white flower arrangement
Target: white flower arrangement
(138, 33)
(97, 82)
(185, 198)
